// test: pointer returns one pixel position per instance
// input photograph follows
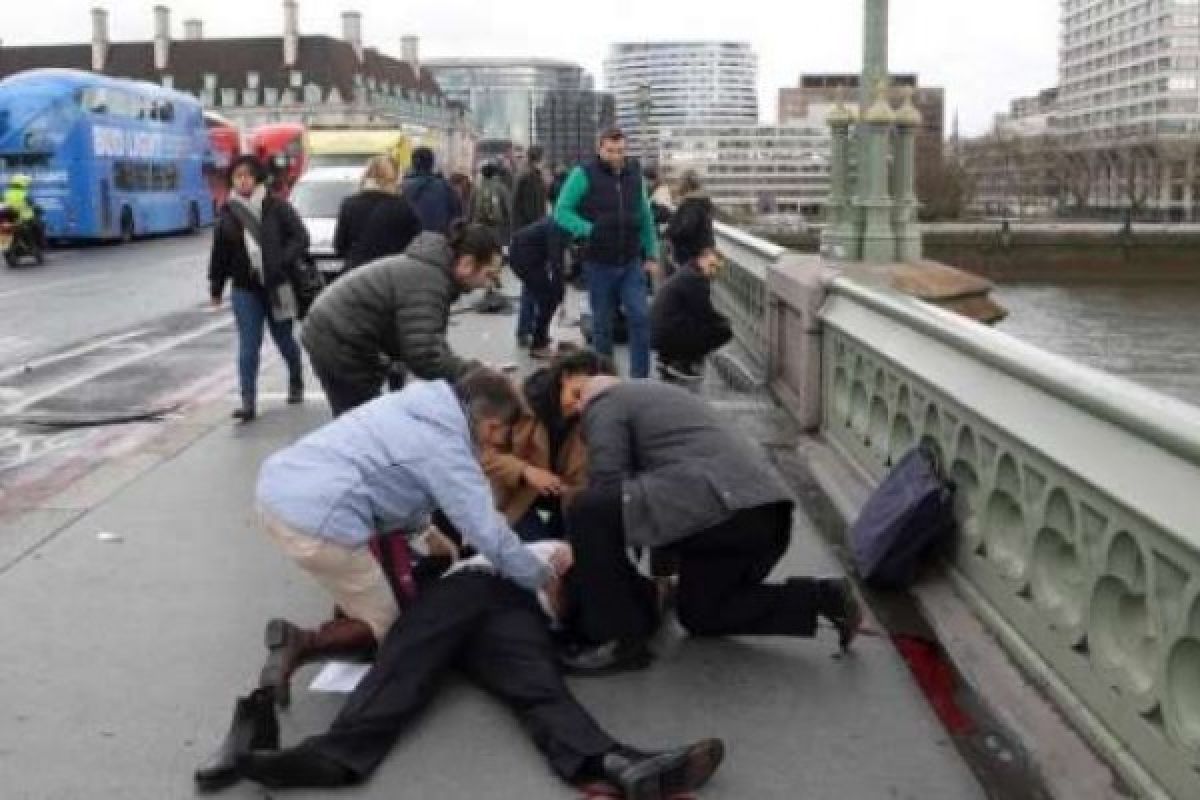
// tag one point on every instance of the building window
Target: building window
(271, 97)
(168, 81)
(296, 79)
(229, 97)
(251, 80)
(210, 81)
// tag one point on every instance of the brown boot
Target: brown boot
(287, 650)
(292, 647)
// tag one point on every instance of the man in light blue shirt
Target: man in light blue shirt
(384, 467)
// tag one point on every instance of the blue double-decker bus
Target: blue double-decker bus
(108, 158)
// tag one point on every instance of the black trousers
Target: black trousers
(547, 289)
(346, 394)
(690, 347)
(496, 634)
(722, 576)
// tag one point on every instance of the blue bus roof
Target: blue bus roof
(76, 79)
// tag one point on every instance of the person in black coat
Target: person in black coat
(431, 197)
(376, 222)
(690, 228)
(536, 256)
(684, 325)
(258, 242)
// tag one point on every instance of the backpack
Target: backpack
(906, 518)
(491, 207)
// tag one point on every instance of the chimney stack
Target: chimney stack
(291, 33)
(352, 31)
(99, 39)
(410, 54)
(162, 37)
(193, 30)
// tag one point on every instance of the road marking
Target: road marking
(112, 366)
(46, 287)
(72, 353)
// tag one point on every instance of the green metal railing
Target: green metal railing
(1080, 529)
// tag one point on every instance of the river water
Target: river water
(1147, 333)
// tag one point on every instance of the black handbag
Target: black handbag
(307, 283)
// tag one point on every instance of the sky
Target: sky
(983, 53)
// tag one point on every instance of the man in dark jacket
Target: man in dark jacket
(431, 197)
(497, 635)
(529, 206)
(536, 256)
(665, 472)
(684, 326)
(376, 222)
(396, 309)
(606, 203)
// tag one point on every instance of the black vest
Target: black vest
(613, 205)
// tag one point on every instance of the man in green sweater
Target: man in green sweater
(605, 202)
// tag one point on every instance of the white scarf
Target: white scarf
(283, 298)
(253, 204)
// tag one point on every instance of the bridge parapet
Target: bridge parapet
(1078, 502)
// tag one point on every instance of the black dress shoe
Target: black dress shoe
(838, 603)
(660, 776)
(296, 768)
(254, 727)
(606, 659)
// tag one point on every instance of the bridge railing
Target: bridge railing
(1078, 498)
(740, 292)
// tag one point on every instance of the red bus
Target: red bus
(282, 149)
(225, 144)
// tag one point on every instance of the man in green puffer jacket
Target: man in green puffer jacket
(397, 310)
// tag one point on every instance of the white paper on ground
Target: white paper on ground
(339, 677)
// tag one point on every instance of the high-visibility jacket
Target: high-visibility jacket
(17, 198)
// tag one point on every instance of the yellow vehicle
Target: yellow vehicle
(354, 147)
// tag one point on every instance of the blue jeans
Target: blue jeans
(526, 316)
(252, 315)
(608, 287)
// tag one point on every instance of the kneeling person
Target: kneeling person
(685, 327)
(386, 466)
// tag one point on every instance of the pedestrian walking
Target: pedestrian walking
(605, 202)
(491, 204)
(397, 310)
(435, 202)
(376, 222)
(529, 206)
(665, 472)
(258, 243)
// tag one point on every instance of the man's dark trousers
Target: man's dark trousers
(721, 576)
(497, 634)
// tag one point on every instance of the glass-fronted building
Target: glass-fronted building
(527, 101)
(661, 85)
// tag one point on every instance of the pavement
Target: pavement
(133, 597)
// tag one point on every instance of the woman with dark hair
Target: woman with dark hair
(259, 239)
(544, 461)
(397, 310)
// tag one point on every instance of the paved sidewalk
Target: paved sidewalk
(121, 659)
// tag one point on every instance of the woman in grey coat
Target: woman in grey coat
(397, 310)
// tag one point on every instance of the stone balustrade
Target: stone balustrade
(1078, 493)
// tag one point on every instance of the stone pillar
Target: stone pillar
(874, 200)
(291, 33)
(839, 239)
(904, 194)
(99, 39)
